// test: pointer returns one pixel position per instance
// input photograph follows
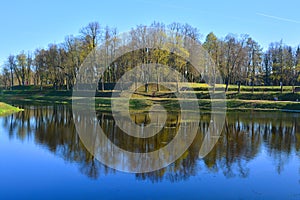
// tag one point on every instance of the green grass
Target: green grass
(237, 104)
(205, 105)
(6, 109)
(261, 99)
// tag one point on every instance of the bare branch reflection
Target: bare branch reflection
(245, 136)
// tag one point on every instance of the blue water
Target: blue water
(30, 169)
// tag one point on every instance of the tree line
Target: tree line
(239, 58)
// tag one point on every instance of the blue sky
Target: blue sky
(31, 24)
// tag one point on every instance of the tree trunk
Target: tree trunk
(102, 82)
(227, 80)
(177, 84)
(226, 88)
(239, 87)
(157, 83)
(67, 83)
(12, 79)
(146, 87)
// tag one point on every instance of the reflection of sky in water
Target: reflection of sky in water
(28, 169)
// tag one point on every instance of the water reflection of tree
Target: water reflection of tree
(242, 139)
(244, 135)
(238, 144)
(281, 140)
(53, 128)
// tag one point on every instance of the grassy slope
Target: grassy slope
(261, 99)
(7, 109)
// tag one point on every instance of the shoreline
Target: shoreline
(204, 104)
(6, 109)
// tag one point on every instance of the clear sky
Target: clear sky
(30, 24)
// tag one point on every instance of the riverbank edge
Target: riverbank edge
(103, 103)
(6, 109)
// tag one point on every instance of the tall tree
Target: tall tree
(92, 34)
(21, 70)
(296, 77)
(234, 57)
(41, 67)
(267, 67)
(212, 45)
(5, 77)
(29, 62)
(12, 65)
(254, 59)
(74, 57)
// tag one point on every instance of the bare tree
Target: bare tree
(234, 50)
(21, 70)
(254, 59)
(5, 77)
(29, 62)
(92, 34)
(12, 66)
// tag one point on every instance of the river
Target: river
(42, 157)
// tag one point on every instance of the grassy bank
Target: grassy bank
(263, 97)
(7, 109)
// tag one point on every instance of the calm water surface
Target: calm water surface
(42, 157)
